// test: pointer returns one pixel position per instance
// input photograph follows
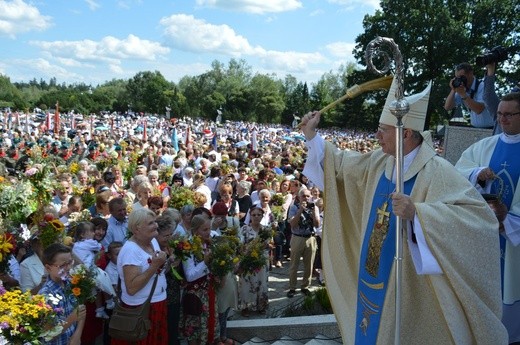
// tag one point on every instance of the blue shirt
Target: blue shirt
(485, 118)
(67, 303)
(116, 231)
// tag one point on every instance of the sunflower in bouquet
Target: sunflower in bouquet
(7, 248)
(27, 319)
(50, 230)
(252, 257)
(224, 255)
(83, 284)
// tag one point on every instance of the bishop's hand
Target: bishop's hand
(309, 124)
(403, 206)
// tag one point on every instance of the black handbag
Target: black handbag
(131, 323)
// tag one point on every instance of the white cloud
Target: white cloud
(351, 4)
(341, 49)
(69, 62)
(116, 68)
(290, 62)
(43, 68)
(92, 4)
(196, 35)
(109, 49)
(188, 33)
(18, 17)
(253, 6)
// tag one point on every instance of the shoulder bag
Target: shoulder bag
(131, 323)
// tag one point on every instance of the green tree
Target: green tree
(147, 92)
(265, 99)
(438, 34)
(10, 96)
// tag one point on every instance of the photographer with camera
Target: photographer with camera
(467, 90)
(303, 217)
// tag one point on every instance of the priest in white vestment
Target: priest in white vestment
(451, 271)
(492, 165)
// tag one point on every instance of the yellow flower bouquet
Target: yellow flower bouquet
(26, 318)
(184, 247)
(224, 255)
(252, 257)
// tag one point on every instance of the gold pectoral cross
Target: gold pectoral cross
(377, 238)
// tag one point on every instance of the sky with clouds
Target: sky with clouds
(93, 41)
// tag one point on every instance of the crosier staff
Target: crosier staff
(399, 108)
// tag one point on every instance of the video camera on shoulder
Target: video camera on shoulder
(496, 54)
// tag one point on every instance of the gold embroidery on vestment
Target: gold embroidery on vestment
(377, 238)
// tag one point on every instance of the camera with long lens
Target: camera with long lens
(458, 81)
(496, 54)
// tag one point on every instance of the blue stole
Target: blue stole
(505, 163)
(377, 257)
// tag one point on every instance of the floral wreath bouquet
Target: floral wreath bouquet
(253, 257)
(184, 247)
(27, 319)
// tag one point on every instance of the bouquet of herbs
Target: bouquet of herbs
(87, 194)
(50, 230)
(39, 175)
(277, 200)
(224, 255)
(183, 247)
(26, 318)
(266, 234)
(83, 283)
(252, 257)
(181, 196)
(77, 217)
(16, 201)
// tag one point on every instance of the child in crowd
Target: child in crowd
(74, 205)
(113, 251)
(57, 260)
(85, 249)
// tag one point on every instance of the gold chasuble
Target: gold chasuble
(460, 306)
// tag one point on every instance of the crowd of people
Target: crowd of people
(116, 194)
(124, 186)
